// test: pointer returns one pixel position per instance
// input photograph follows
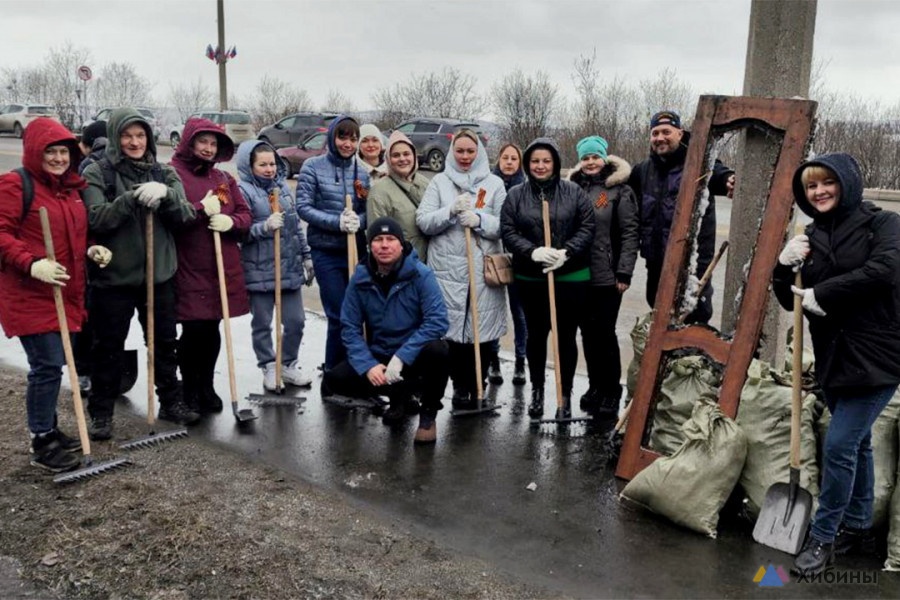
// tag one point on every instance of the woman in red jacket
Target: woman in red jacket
(50, 160)
(220, 207)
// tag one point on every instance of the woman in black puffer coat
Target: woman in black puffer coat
(849, 260)
(568, 256)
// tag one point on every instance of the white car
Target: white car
(14, 118)
(236, 123)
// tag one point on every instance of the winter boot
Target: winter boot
(84, 384)
(395, 410)
(590, 400)
(565, 412)
(209, 400)
(426, 432)
(519, 372)
(462, 399)
(494, 374)
(412, 405)
(175, 410)
(101, 428)
(814, 557)
(607, 407)
(536, 408)
(48, 453)
(293, 375)
(854, 541)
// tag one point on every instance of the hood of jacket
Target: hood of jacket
(615, 172)
(194, 127)
(547, 144)
(119, 120)
(468, 181)
(396, 138)
(43, 132)
(245, 169)
(849, 176)
(333, 154)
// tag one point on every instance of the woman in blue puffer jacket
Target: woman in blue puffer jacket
(262, 171)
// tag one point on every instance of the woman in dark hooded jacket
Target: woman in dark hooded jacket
(509, 169)
(568, 255)
(849, 262)
(220, 207)
(604, 178)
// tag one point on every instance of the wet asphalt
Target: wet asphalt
(469, 491)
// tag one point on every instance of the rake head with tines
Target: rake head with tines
(267, 400)
(567, 427)
(154, 439)
(91, 470)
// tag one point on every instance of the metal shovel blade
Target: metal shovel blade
(784, 517)
(242, 415)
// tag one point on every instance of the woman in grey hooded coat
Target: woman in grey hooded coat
(465, 195)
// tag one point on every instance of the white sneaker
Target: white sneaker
(269, 377)
(293, 375)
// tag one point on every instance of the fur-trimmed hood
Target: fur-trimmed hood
(616, 171)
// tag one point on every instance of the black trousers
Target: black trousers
(84, 340)
(427, 375)
(599, 340)
(704, 311)
(571, 297)
(462, 364)
(111, 312)
(198, 351)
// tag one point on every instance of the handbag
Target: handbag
(498, 270)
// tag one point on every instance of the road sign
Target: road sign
(84, 73)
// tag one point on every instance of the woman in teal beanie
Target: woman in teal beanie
(604, 178)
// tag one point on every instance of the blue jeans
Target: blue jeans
(45, 361)
(331, 273)
(848, 469)
(519, 326)
(262, 307)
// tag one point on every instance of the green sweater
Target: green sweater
(120, 223)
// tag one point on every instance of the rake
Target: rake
(88, 467)
(152, 438)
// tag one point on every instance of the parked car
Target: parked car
(236, 123)
(431, 137)
(295, 156)
(14, 118)
(295, 128)
(147, 113)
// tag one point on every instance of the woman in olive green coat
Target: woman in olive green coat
(398, 195)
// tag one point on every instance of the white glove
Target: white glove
(463, 202)
(392, 373)
(101, 255)
(349, 221)
(309, 272)
(150, 194)
(211, 204)
(49, 271)
(274, 221)
(470, 219)
(560, 260)
(809, 300)
(795, 251)
(544, 255)
(220, 223)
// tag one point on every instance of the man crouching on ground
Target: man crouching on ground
(398, 301)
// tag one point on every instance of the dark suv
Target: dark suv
(431, 137)
(295, 128)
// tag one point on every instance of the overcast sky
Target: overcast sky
(358, 46)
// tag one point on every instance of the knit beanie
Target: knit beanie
(385, 226)
(369, 130)
(93, 131)
(593, 144)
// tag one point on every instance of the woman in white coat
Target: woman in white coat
(465, 195)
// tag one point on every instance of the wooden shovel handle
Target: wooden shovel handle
(279, 332)
(797, 376)
(151, 321)
(473, 302)
(223, 296)
(66, 341)
(551, 289)
(352, 256)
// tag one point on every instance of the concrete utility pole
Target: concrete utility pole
(779, 62)
(223, 86)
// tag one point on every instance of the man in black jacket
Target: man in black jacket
(655, 182)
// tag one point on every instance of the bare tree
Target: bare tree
(337, 102)
(24, 85)
(276, 98)
(188, 99)
(119, 84)
(447, 93)
(668, 92)
(61, 69)
(525, 105)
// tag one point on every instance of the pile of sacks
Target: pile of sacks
(707, 454)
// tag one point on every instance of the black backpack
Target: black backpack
(27, 191)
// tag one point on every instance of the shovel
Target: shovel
(481, 406)
(88, 467)
(243, 415)
(785, 513)
(352, 255)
